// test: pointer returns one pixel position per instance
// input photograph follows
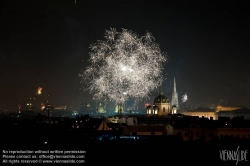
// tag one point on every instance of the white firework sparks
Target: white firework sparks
(124, 66)
(184, 98)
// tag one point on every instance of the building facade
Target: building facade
(219, 111)
(161, 106)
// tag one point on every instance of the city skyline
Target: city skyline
(206, 43)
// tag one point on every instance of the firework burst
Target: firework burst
(124, 66)
(184, 98)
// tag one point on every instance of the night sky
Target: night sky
(45, 43)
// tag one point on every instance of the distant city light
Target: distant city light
(75, 113)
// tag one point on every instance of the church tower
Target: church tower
(174, 104)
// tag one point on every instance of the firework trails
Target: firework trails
(124, 66)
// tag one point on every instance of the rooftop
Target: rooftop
(145, 128)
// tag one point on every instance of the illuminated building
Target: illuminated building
(28, 110)
(174, 102)
(48, 109)
(60, 108)
(119, 109)
(219, 111)
(206, 113)
(113, 119)
(161, 106)
(174, 109)
(221, 108)
(100, 109)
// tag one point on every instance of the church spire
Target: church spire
(175, 98)
(161, 92)
(174, 90)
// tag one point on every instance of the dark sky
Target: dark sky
(43, 43)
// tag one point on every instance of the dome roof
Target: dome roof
(161, 99)
(100, 109)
